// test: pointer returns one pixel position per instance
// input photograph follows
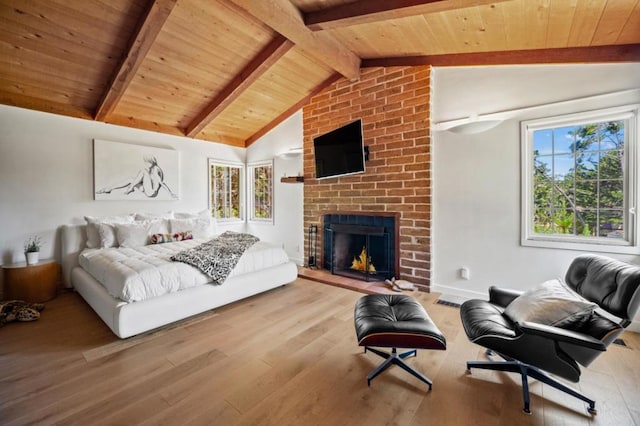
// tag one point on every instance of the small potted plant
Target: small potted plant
(32, 249)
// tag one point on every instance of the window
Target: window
(261, 191)
(580, 181)
(225, 186)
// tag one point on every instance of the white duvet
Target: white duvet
(139, 273)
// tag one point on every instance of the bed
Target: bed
(129, 318)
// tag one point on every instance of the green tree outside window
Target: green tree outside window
(225, 191)
(262, 191)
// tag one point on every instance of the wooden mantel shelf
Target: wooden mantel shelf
(292, 179)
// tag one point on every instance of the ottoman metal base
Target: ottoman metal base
(394, 358)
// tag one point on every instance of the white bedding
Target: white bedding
(135, 274)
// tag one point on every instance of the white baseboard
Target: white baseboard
(457, 295)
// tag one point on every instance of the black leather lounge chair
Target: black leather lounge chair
(534, 349)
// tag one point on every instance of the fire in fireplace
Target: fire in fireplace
(362, 262)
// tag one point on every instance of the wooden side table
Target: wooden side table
(31, 283)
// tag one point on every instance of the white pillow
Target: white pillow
(93, 238)
(132, 234)
(138, 234)
(550, 303)
(204, 214)
(200, 228)
(106, 235)
(158, 226)
(151, 216)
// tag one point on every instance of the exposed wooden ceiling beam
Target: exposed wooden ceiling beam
(279, 119)
(591, 54)
(284, 18)
(241, 82)
(148, 29)
(369, 11)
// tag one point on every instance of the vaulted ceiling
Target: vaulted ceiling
(230, 70)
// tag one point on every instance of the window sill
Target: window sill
(586, 247)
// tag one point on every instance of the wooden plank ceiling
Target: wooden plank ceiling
(230, 70)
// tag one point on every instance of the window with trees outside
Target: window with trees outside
(579, 181)
(261, 191)
(225, 190)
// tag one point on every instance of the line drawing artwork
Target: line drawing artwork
(125, 172)
(149, 180)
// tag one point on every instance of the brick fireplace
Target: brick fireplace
(393, 104)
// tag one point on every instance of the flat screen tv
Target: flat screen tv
(340, 152)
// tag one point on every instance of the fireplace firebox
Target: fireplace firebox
(360, 246)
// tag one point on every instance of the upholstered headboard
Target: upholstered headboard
(74, 240)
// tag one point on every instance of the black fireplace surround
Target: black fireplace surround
(360, 246)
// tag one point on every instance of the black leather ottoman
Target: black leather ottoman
(395, 321)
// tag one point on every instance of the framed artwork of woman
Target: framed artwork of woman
(135, 172)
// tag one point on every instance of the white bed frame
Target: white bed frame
(128, 319)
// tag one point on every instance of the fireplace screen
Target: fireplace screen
(361, 252)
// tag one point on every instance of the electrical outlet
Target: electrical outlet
(464, 273)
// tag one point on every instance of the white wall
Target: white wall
(46, 175)
(288, 197)
(477, 177)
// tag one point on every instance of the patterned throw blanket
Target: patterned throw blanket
(217, 257)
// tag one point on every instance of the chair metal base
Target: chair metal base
(514, 366)
(395, 358)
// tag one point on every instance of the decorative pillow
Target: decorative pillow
(138, 234)
(181, 236)
(106, 235)
(158, 226)
(132, 234)
(93, 238)
(168, 238)
(161, 238)
(200, 228)
(550, 303)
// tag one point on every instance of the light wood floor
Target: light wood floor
(285, 357)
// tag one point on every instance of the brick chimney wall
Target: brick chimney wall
(394, 105)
